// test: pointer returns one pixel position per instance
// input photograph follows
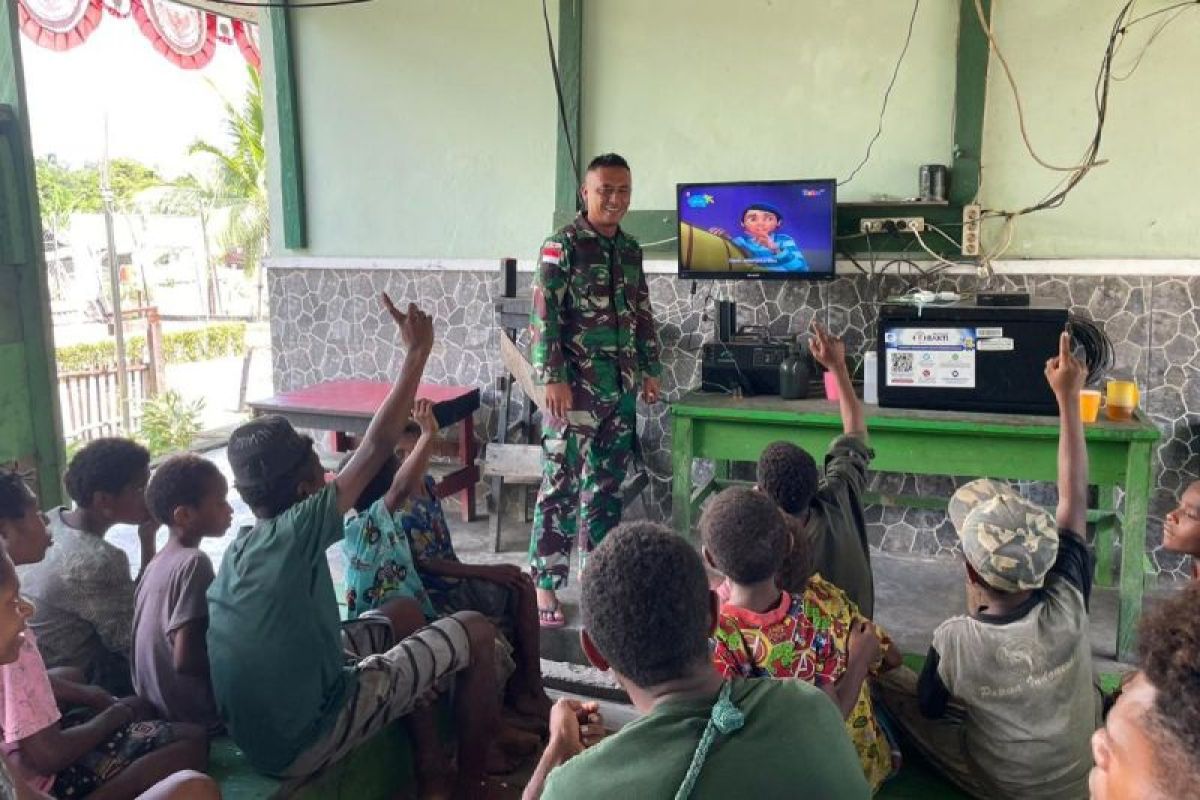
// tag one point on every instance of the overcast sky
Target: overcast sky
(155, 109)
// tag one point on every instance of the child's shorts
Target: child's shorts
(102, 764)
(494, 600)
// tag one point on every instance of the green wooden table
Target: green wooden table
(1010, 446)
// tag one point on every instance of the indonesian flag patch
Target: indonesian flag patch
(552, 252)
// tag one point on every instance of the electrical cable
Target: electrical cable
(1098, 352)
(562, 106)
(1137, 62)
(886, 96)
(945, 235)
(986, 25)
(1104, 78)
(921, 241)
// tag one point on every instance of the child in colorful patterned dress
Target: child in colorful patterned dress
(819, 636)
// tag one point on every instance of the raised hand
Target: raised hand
(829, 351)
(1064, 372)
(424, 417)
(416, 327)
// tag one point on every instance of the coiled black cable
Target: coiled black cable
(1097, 347)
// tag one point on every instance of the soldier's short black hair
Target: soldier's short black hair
(789, 476)
(15, 494)
(104, 465)
(745, 533)
(181, 480)
(1169, 646)
(646, 603)
(607, 160)
(767, 207)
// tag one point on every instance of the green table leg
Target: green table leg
(681, 477)
(1133, 546)
(1106, 529)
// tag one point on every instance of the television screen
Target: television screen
(757, 229)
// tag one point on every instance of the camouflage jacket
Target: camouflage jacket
(592, 323)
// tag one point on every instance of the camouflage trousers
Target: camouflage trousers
(582, 474)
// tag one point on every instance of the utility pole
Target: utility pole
(114, 277)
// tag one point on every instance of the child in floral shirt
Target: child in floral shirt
(819, 636)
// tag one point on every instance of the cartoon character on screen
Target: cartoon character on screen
(762, 244)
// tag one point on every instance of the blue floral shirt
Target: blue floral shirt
(379, 563)
(788, 258)
(429, 536)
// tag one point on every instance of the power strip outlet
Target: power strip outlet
(970, 229)
(891, 224)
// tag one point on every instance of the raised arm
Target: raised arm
(416, 333)
(1066, 374)
(411, 474)
(830, 352)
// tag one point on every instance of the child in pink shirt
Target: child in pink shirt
(116, 752)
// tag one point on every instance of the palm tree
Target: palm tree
(241, 174)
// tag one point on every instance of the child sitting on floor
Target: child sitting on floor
(82, 590)
(826, 502)
(170, 620)
(119, 751)
(408, 528)
(1181, 528)
(1016, 670)
(277, 650)
(647, 615)
(817, 635)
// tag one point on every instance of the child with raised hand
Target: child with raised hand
(119, 751)
(817, 635)
(503, 593)
(170, 620)
(82, 590)
(273, 611)
(1006, 703)
(830, 534)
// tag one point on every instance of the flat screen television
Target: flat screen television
(757, 229)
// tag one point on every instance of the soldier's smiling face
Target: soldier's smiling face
(606, 192)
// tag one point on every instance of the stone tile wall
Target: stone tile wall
(328, 323)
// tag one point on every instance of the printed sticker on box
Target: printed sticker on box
(988, 333)
(930, 357)
(995, 345)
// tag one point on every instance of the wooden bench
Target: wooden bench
(521, 465)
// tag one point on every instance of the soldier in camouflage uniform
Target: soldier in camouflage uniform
(593, 343)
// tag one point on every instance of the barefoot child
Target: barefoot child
(118, 752)
(170, 620)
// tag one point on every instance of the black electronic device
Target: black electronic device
(508, 267)
(964, 357)
(1002, 299)
(751, 366)
(726, 320)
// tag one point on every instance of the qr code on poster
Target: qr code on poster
(901, 362)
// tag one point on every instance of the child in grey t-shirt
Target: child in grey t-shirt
(170, 656)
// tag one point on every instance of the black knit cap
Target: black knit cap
(264, 450)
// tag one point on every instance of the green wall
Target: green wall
(429, 127)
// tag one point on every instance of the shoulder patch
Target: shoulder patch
(552, 252)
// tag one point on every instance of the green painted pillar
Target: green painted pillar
(30, 429)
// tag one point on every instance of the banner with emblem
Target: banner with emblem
(59, 24)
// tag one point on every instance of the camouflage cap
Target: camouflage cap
(1010, 542)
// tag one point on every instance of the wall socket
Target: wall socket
(891, 224)
(970, 230)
